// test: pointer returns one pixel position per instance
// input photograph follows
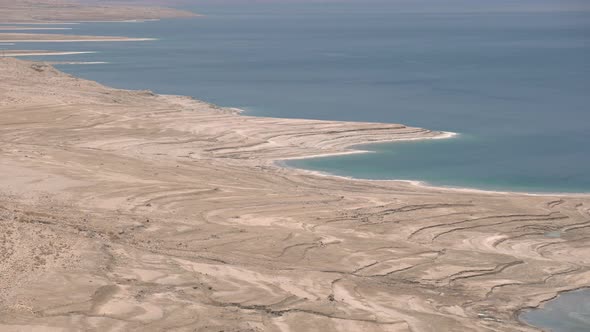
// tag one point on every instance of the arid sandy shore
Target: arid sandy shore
(31, 11)
(28, 28)
(13, 53)
(129, 211)
(49, 37)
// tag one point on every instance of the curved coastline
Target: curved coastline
(172, 170)
(519, 314)
(23, 53)
(97, 39)
(352, 150)
(418, 183)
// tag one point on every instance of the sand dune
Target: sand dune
(126, 210)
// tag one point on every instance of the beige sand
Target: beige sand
(26, 28)
(49, 37)
(129, 211)
(18, 11)
(20, 53)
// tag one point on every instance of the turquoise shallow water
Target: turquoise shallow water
(462, 161)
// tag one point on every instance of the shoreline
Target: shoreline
(15, 28)
(75, 40)
(76, 62)
(545, 302)
(20, 53)
(417, 183)
(215, 214)
(427, 185)
(350, 150)
(38, 23)
(442, 135)
(43, 11)
(581, 288)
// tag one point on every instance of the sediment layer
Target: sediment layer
(27, 11)
(127, 210)
(50, 37)
(19, 53)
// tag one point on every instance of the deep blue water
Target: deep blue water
(514, 83)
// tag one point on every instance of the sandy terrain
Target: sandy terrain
(18, 11)
(25, 28)
(50, 37)
(129, 211)
(39, 52)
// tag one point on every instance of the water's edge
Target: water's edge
(351, 150)
(547, 310)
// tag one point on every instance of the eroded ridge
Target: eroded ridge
(125, 210)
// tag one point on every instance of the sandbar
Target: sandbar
(57, 38)
(25, 28)
(20, 53)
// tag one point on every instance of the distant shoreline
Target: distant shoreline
(48, 12)
(54, 38)
(19, 53)
(74, 40)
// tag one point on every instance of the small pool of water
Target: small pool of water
(569, 312)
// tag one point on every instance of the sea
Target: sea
(514, 83)
(511, 78)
